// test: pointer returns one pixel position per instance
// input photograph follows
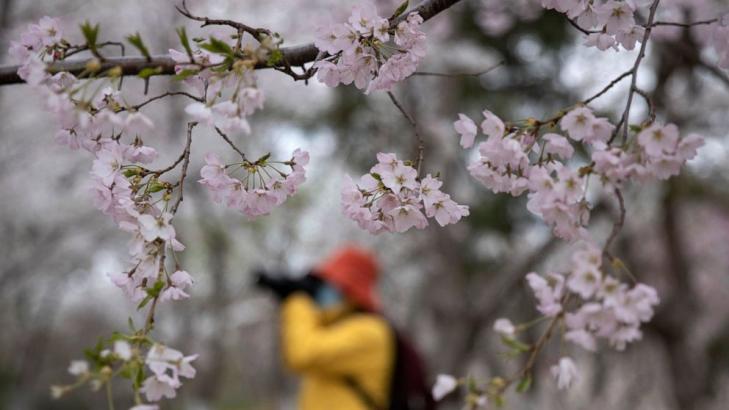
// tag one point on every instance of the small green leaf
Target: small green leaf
(186, 73)
(524, 384)
(130, 322)
(275, 58)
(149, 72)
(144, 302)
(155, 186)
(136, 41)
(91, 34)
(515, 344)
(636, 128)
(263, 159)
(217, 46)
(182, 34)
(400, 9)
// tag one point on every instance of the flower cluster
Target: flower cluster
(391, 198)
(521, 160)
(135, 197)
(613, 20)
(261, 186)
(122, 188)
(165, 368)
(228, 90)
(605, 308)
(167, 365)
(368, 52)
(38, 41)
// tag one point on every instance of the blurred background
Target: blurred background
(443, 286)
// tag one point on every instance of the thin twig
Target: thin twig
(608, 87)
(633, 84)
(420, 144)
(617, 226)
(651, 105)
(167, 94)
(476, 74)
(185, 163)
(228, 140)
(685, 25)
(257, 33)
(578, 27)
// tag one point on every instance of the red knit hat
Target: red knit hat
(354, 272)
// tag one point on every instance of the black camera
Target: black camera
(282, 284)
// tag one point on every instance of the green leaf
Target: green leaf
(155, 186)
(263, 159)
(130, 322)
(149, 72)
(217, 46)
(186, 73)
(275, 58)
(515, 344)
(400, 9)
(524, 384)
(136, 41)
(182, 34)
(91, 34)
(144, 302)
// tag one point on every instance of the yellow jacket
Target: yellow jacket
(359, 345)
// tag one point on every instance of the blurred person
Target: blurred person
(333, 335)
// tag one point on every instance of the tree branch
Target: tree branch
(294, 56)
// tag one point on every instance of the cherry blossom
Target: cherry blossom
(565, 372)
(444, 384)
(262, 187)
(359, 51)
(391, 198)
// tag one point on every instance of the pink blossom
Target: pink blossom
(558, 145)
(467, 129)
(578, 123)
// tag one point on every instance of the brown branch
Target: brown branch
(294, 56)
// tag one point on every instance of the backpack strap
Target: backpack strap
(365, 397)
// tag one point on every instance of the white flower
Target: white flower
(123, 350)
(565, 372)
(444, 384)
(504, 327)
(78, 367)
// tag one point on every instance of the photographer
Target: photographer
(331, 335)
(348, 355)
